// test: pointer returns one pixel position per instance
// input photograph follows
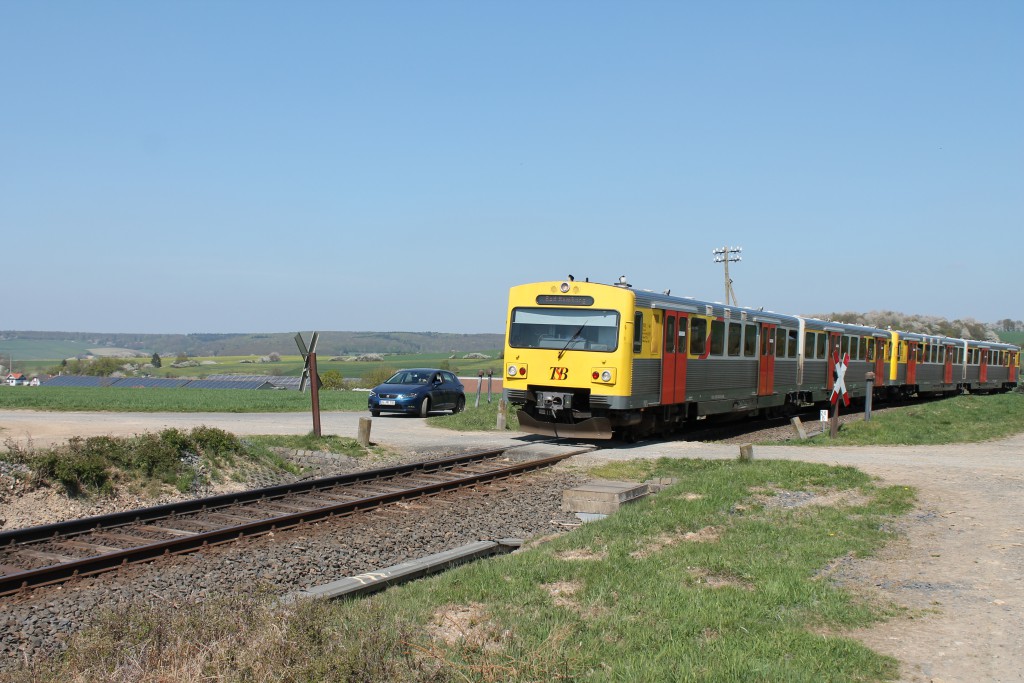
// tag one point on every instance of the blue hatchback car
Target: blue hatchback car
(418, 391)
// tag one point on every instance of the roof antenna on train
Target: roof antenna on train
(667, 292)
(571, 278)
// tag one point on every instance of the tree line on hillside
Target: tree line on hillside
(965, 328)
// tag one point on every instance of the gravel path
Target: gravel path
(959, 566)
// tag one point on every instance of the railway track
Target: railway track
(54, 553)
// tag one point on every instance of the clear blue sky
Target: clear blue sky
(234, 166)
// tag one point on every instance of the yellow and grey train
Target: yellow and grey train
(590, 360)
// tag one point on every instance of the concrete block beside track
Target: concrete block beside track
(602, 497)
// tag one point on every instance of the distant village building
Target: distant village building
(16, 379)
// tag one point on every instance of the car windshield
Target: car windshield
(410, 377)
(564, 328)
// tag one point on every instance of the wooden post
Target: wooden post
(363, 436)
(314, 391)
(798, 426)
(869, 383)
(834, 427)
(502, 414)
(747, 451)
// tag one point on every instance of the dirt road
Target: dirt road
(959, 566)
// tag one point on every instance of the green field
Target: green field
(1012, 338)
(159, 400)
(288, 366)
(50, 350)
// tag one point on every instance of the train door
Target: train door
(912, 362)
(983, 372)
(830, 366)
(766, 366)
(947, 371)
(880, 362)
(1014, 362)
(673, 376)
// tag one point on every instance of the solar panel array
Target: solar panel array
(78, 381)
(151, 382)
(285, 382)
(230, 384)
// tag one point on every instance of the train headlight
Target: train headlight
(603, 375)
(513, 370)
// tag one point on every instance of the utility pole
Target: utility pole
(724, 255)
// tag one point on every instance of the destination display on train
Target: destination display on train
(564, 300)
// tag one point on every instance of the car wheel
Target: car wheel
(425, 406)
(375, 413)
(460, 405)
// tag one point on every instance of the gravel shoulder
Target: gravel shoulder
(958, 567)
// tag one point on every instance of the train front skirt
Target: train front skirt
(592, 428)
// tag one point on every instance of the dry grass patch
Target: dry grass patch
(708, 534)
(778, 498)
(562, 593)
(705, 578)
(467, 626)
(582, 554)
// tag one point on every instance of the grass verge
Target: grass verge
(720, 577)
(961, 419)
(475, 419)
(146, 463)
(160, 400)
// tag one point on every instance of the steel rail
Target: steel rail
(19, 580)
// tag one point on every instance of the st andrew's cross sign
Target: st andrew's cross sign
(839, 375)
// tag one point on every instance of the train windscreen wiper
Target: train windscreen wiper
(571, 339)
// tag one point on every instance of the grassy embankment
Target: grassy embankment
(706, 581)
(961, 419)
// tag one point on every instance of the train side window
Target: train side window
(780, 342)
(750, 341)
(735, 338)
(698, 335)
(717, 337)
(844, 346)
(869, 349)
(855, 349)
(809, 346)
(638, 332)
(793, 338)
(819, 346)
(670, 334)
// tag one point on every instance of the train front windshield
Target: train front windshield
(564, 328)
